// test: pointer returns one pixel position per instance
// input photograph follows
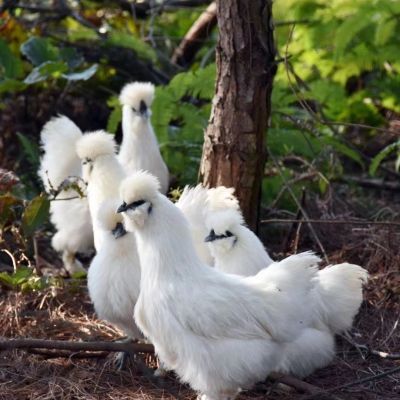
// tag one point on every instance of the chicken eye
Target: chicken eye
(228, 234)
(86, 161)
(136, 203)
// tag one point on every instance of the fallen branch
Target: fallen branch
(327, 221)
(365, 380)
(67, 354)
(32, 345)
(371, 183)
(194, 38)
(295, 383)
(368, 351)
(8, 344)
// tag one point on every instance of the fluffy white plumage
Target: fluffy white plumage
(139, 149)
(235, 248)
(114, 274)
(219, 332)
(58, 140)
(71, 218)
(336, 295)
(102, 172)
(221, 198)
(193, 204)
(197, 203)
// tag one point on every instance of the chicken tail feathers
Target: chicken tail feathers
(339, 294)
(58, 139)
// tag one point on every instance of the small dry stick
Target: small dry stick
(7, 344)
(365, 380)
(327, 221)
(301, 386)
(130, 347)
(369, 351)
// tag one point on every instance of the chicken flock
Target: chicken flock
(190, 277)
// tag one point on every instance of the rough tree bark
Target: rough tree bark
(233, 152)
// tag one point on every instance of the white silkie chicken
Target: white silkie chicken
(229, 239)
(139, 149)
(219, 332)
(193, 204)
(335, 297)
(114, 274)
(70, 217)
(102, 172)
(197, 203)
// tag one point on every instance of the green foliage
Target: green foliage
(126, 39)
(35, 214)
(49, 62)
(180, 114)
(342, 65)
(8, 203)
(39, 50)
(377, 160)
(116, 114)
(10, 65)
(25, 279)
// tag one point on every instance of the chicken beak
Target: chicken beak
(143, 110)
(119, 230)
(122, 208)
(211, 237)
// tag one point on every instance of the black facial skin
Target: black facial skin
(124, 207)
(143, 110)
(119, 230)
(86, 161)
(90, 162)
(212, 236)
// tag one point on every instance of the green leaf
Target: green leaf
(79, 275)
(47, 69)
(114, 119)
(6, 279)
(11, 85)
(343, 149)
(7, 214)
(377, 160)
(71, 56)
(39, 50)
(348, 30)
(35, 214)
(205, 82)
(128, 40)
(10, 65)
(21, 275)
(384, 30)
(292, 141)
(30, 148)
(82, 75)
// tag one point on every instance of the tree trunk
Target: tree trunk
(233, 152)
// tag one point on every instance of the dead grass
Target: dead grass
(67, 314)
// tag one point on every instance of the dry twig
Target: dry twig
(7, 344)
(327, 221)
(130, 347)
(194, 38)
